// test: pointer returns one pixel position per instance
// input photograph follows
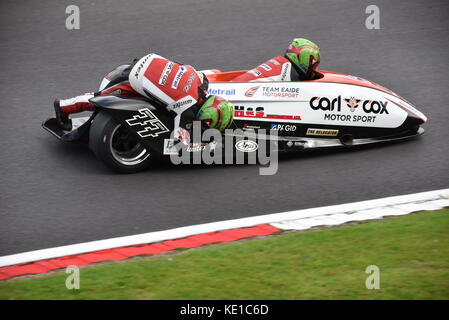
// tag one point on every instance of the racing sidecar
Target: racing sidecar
(334, 110)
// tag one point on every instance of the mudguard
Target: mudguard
(152, 125)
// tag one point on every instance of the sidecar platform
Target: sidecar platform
(80, 126)
(291, 144)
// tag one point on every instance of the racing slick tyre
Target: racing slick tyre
(116, 146)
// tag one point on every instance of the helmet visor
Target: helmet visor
(313, 65)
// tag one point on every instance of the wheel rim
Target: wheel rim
(126, 148)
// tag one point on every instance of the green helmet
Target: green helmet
(216, 113)
(305, 57)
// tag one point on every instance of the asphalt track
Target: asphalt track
(54, 194)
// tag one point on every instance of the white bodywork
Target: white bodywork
(294, 102)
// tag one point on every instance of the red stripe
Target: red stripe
(270, 116)
(407, 109)
(77, 107)
(125, 89)
(276, 116)
(123, 253)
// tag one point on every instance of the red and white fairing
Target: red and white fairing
(334, 99)
(275, 69)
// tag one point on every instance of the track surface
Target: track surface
(55, 194)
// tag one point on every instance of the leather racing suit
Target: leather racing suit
(276, 69)
(179, 88)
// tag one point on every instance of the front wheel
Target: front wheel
(116, 146)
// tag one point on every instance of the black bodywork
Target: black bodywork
(122, 109)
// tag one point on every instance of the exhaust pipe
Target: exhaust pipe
(347, 139)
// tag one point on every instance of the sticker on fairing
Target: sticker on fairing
(150, 124)
(246, 146)
(169, 147)
(164, 76)
(178, 77)
(322, 132)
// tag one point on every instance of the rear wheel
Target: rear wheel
(116, 146)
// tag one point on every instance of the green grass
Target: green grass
(412, 253)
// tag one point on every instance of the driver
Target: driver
(179, 88)
(299, 63)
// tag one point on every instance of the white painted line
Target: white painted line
(442, 203)
(405, 206)
(298, 219)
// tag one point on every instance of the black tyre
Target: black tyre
(116, 146)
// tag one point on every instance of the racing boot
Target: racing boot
(62, 118)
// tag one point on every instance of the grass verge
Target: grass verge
(412, 253)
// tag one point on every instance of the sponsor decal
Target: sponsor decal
(285, 71)
(189, 83)
(352, 103)
(371, 107)
(322, 132)
(259, 113)
(178, 77)
(139, 68)
(164, 76)
(283, 92)
(349, 118)
(150, 124)
(250, 112)
(181, 103)
(196, 147)
(377, 107)
(266, 67)
(283, 127)
(246, 146)
(255, 72)
(317, 103)
(251, 91)
(169, 147)
(368, 106)
(221, 92)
